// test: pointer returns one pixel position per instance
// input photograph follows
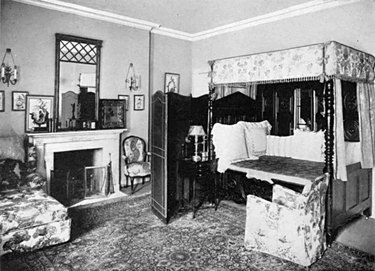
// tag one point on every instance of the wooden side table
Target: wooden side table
(203, 182)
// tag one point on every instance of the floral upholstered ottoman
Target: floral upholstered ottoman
(30, 219)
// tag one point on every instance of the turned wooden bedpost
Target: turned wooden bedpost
(211, 98)
(329, 152)
(211, 156)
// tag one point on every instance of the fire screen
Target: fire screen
(95, 181)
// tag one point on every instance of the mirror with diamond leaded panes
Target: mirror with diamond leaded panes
(77, 72)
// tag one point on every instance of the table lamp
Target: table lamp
(196, 130)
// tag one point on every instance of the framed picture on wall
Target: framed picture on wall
(112, 113)
(2, 100)
(139, 102)
(126, 98)
(19, 100)
(172, 82)
(39, 112)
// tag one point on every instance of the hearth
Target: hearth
(76, 176)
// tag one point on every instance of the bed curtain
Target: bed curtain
(366, 111)
(339, 145)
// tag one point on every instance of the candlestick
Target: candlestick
(15, 73)
(2, 71)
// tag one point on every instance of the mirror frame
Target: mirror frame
(70, 38)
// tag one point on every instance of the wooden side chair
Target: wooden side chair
(136, 159)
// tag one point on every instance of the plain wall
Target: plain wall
(30, 32)
(351, 25)
(171, 56)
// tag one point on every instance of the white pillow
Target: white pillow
(256, 141)
(288, 142)
(271, 142)
(260, 124)
(308, 145)
(229, 143)
(279, 145)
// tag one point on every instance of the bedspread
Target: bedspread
(286, 169)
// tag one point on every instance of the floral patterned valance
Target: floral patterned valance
(347, 63)
(303, 62)
(296, 64)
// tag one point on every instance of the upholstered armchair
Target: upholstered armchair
(136, 159)
(292, 226)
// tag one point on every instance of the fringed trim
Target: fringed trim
(351, 79)
(276, 81)
(323, 77)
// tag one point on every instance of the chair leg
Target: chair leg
(132, 184)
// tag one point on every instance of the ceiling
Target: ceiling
(190, 16)
(189, 19)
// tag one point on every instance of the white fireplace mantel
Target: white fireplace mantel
(47, 144)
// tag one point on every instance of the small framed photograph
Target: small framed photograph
(2, 100)
(112, 113)
(39, 112)
(172, 82)
(19, 100)
(126, 98)
(139, 102)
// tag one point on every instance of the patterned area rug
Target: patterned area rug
(126, 235)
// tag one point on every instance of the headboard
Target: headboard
(233, 108)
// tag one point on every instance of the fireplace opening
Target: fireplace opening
(77, 176)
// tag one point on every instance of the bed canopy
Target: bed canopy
(328, 63)
(313, 62)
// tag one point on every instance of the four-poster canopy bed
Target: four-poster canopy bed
(327, 88)
(340, 81)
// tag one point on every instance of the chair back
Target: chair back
(134, 149)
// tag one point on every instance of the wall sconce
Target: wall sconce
(8, 70)
(132, 81)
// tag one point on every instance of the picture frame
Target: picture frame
(112, 113)
(139, 102)
(2, 100)
(126, 98)
(39, 113)
(171, 82)
(19, 100)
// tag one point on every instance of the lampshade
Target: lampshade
(196, 130)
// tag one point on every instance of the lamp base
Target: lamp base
(196, 158)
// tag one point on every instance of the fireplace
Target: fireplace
(99, 147)
(76, 176)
